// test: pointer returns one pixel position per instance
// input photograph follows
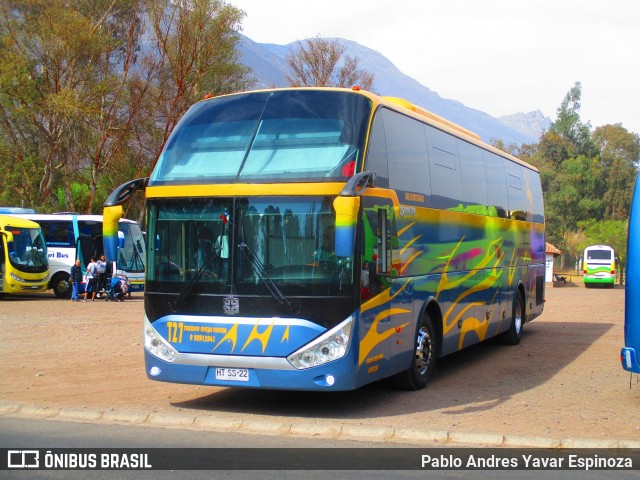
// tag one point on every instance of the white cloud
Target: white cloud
(498, 56)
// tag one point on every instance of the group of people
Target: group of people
(96, 279)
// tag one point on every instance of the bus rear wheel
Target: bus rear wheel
(423, 362)
(61, 285)
(514, 334)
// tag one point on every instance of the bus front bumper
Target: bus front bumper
(17, 287)
(629, 359)
(335, 376)
(599, 280)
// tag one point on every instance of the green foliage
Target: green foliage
(587, 179)
(606, 232)
(569, 127)
(83, 105)
(79, 193)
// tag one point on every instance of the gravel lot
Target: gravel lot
(563, 380)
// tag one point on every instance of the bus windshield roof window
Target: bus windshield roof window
(283, 135)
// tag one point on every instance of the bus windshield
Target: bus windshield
(599, 254)
(247, 246)
(298, 135)
(28, 252)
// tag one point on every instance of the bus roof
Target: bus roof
(65, 216)
(406, 107)
(598, 247)
(9, 210)
(16, 221)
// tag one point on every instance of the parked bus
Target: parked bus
(24, 266)
(70, 236)
(599, 266)
(14, 210)
(630, 354)
(323, 239)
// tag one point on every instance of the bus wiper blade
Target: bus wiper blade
(260, 271)
(188, 288)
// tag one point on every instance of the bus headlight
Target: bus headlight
(156, 345)
(326, 348)
(16, 278)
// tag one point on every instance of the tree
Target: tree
(511, 149)
(91, 89)
(319, 62)
(619, 157)
(196, 41)
(569, 127)
(49, 58)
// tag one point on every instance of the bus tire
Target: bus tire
(423, 363)
(61, 285)
(514, 334)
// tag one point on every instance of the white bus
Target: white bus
(599, 266)
(69, 236)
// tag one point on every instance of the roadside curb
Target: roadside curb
(330, 430)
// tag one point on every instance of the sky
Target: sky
(497, 56)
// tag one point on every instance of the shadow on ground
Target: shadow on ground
(475, 379)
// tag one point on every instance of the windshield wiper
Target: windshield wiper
(260, 271)
(188, 288)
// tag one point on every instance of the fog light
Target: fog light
(155, 371)
(330, 379)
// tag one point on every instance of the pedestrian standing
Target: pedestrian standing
(102, 275)
(76, 280)
(92, 279)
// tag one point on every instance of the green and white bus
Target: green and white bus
(599, 266)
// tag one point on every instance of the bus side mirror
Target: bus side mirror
(347, 209)
(110, 234)
(120, 239)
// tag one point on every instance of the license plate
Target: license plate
(232, 374)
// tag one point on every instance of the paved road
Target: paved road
(59, 435)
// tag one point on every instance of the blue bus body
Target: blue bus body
(630, 354)
(323, 239)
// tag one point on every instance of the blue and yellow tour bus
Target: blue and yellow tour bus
(24, 266)
(630, 354)
(323, 239)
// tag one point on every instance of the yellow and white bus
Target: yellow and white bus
(24, 265)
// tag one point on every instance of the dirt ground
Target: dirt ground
(563, 380)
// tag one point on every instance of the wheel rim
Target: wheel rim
(423, 351)
(62, 287)
(517, 318)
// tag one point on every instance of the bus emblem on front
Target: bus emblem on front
(231, 305)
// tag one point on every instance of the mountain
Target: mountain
(531, 124)
(270, 69)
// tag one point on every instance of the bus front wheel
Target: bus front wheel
(61, 285)
(423, 362)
